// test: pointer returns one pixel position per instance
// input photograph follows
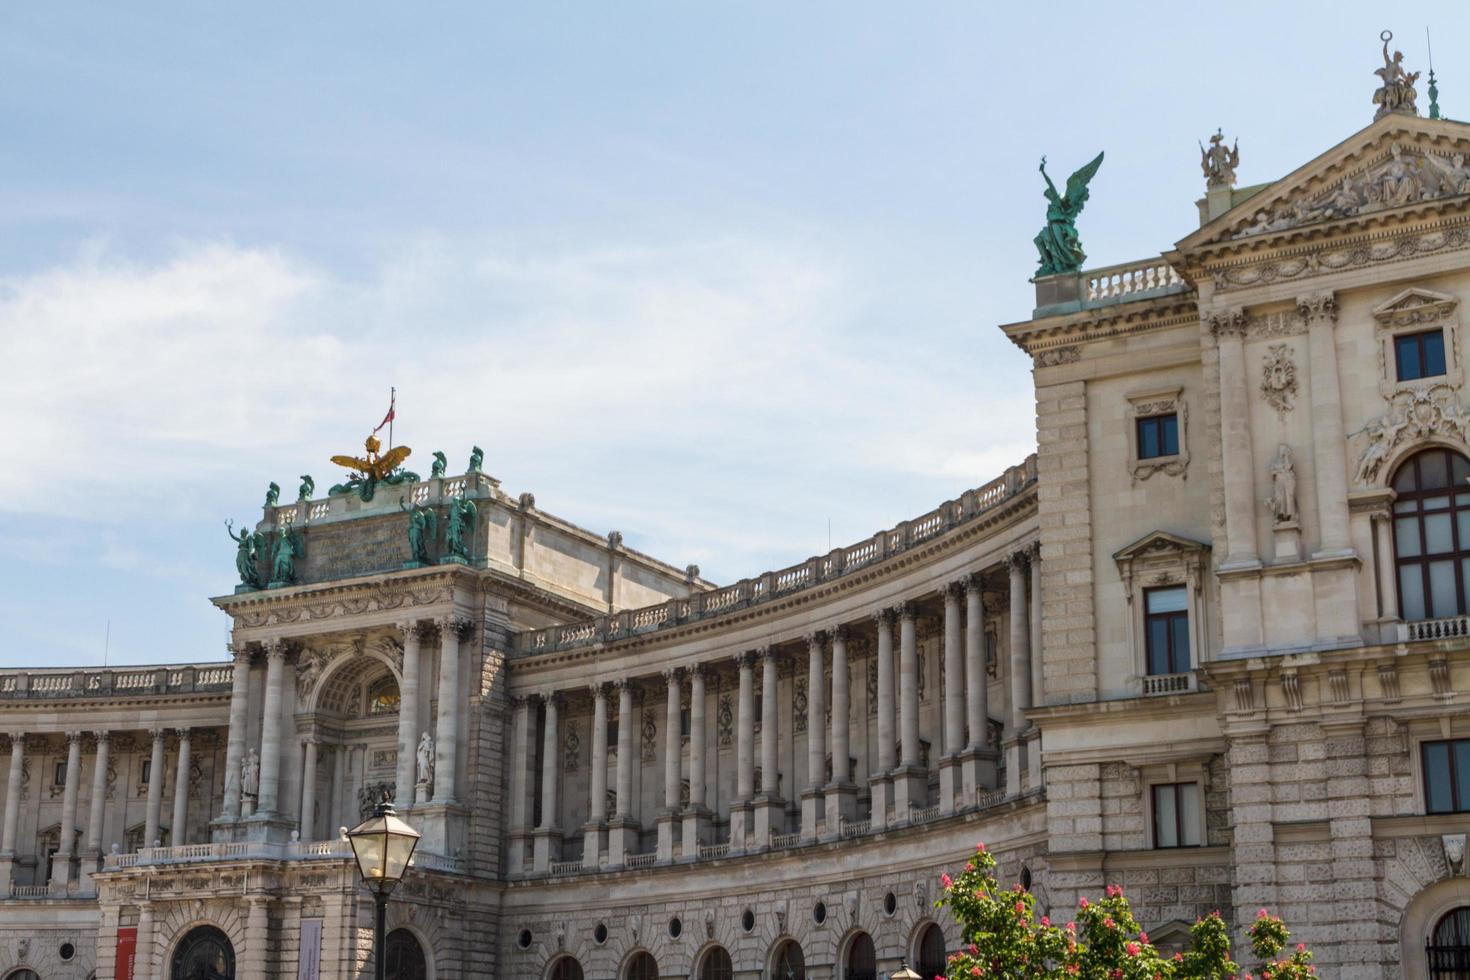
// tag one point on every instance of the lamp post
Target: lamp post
(383, 845)
(905, 973)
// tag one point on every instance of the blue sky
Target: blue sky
(712, 275)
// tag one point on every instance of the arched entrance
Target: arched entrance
(1448, 949)
(403, 957)
(929, 952)
(205, 953)
(566, 968)
(641, 967)
(716, 965)
(788, 963)
(22, 974)
(861, 962)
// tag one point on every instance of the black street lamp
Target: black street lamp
(383, 846)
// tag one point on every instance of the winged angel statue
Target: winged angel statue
(374, 469)
(1060, 248)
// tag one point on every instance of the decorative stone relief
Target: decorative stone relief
(872, 683)
(572, 744)
(798, 705)
(308, 668)
(1334, 260)
(1454, 852)
(725, 720)
(1069, 354)
(1415, 413)
(1278, 377)
(649, 747)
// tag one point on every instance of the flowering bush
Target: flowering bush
(1004, 939)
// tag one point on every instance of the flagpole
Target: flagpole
(392, 399)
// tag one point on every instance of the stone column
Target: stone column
(66, 851)
(622, 830)
(978, 769)
(1033, 650)
(770, 808)
(235, 744)
(910, 779)
(334, 796)
(1329, 456)
(950, 788)
(548, 834)
(520, 793)
(179, 829)
(593, 830)
(1020, 673)
(816, 741)
(408, 718)
(154, 808)
(306, 827)
(268, 804)
(1235, 441)
(143, 944)
(740, 807)
(12, 811)
(697, 816)
(668, 818)
(881, 781)
(1388, 590)
(97, 814)
(840, 795)
(446, 737)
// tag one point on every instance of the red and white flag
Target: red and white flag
(392, 400)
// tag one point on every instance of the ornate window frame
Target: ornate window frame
(1157, 401)
(1415, 310)
(1156, 560)
(1164, 774)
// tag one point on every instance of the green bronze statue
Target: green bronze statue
(422, 527)
(459, 522)
(477, 459)
(247, 557)
(1060, 248)
(272, 494)
(289, 547)
(436, 471)
(308, 487)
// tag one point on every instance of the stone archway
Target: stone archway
(404, 956)
(205, 953)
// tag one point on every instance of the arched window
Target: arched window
(862, 959)
(205, 953)
(716, 965)
(1448, 948)
(1431, 533)
(383, 697)
(642, 967)
(566, 968)
(930, 958)
(789, 964)
(403, 958)
(22, 974)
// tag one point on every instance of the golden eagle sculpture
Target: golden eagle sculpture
(368, 472)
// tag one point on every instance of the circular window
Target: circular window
(524, 939)
(67, 951)
(748, 920)
(599, 935)
(890, 904)
(675, 927)
(819, 913)
(1025, 877)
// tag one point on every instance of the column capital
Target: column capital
(598, 690)
(841, 633)
(158, 734)
(241, 650)
(102, 737)
(974, 583)
(1019, 561)
(815, 638)
(952, 591)
(884, 616)
(671, 675)
(74, 738)
(311, 738)
(696, 670)
(626, 684)
(458, 625)
(745, 659)
(1226, 323)
(908, 610)
(408, 628)
(551, 698)
(182, 734)
(519, 701)
(1318, 306)
(768, 655)
(275, 649)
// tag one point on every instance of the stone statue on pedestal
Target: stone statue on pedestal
(425, 781)
(1396, 94)
(1283, 487)
(248, 555)
(1060, 248)
(422, 527)
(272, 494)
(436, 471)
(289, 547)
(250, 774)
(308, 487)
(1218, 162)
(460, 521)
(477, 459)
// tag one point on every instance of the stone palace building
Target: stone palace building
(1211, 643)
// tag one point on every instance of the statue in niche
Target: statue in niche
(436, 471)
(1283, 487)
(1219, 162)
(1396, 94)
(423, 525)
(247, 558)
(477, 459)
(250, 774)
(458, 525)
(308, 487)
(1058, 243)
(289, 546)
(425, 761)
(272, 494)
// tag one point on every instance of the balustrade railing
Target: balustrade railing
(561, 869)
(1435, 629)
(713, 851)
(30, 891)
(1130, 279)
(642, 860)
(1168, 683)
(768, 585)
(780, 841)
(59, 684)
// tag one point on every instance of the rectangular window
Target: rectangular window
(147, 771)
(1419, 355)
(1176, 814)
(60, 773)
(1166, 629)
(1447, 776)
(1158, 435)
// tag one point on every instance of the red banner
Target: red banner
(127, 945)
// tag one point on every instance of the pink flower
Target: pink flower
(974, 971)
(946, 880)
(1113, 891)
(1142, 936)
(1082, 903)
(1133, 949)
(1262, 914)
(1071, 927)
(1301, 947)
(969, 865)
(1178, 957)
(1109, 923)
(1071, 967)
(980, 847)
(974, 950)
(1045, 920)
(1020, 908)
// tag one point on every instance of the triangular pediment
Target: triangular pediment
(1159, 543)
(1415, 305)
(1397, 163)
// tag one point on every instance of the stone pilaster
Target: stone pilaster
(408, 717)
(520, 762)
(12, 812)
(950, 787)
(153, 809)
(910, 779)
(179, 830)
(66, 854)
(446, 747)
(740, 807)
(92, 853)
(977, 769)
(622, 830)
(668, 818)
(1329, 442)
(268, 804)
(595, 830)
(1020, 672)
(770, 808)
(840, 794)
(880, 783)
(235, 744)
(697, 817)
(547, 845)
(307, 821)
(816, 749)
